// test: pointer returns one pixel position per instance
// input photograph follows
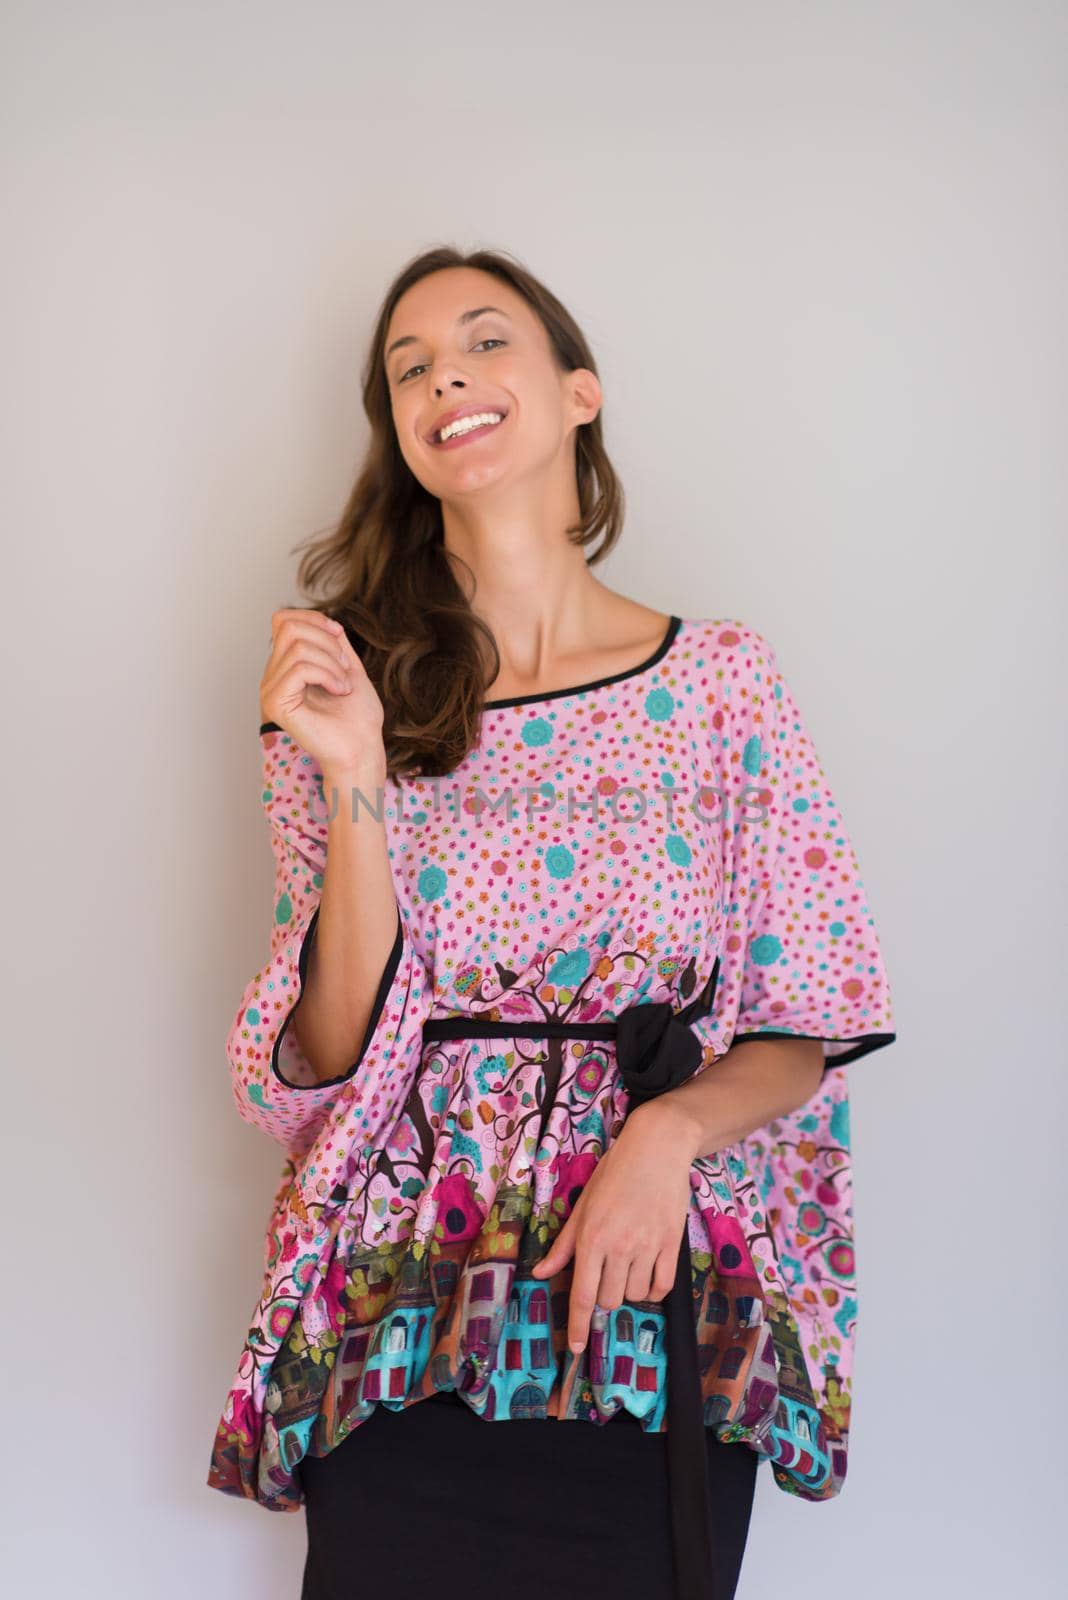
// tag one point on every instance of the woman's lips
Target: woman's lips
(472, 433)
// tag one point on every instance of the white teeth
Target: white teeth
(465, 424)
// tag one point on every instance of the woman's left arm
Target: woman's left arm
(626, 1226)
(756, 1081)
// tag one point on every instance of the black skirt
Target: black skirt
(436, 1500)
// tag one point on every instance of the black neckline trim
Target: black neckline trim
(674, 624)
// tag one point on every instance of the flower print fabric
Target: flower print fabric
(598, 846)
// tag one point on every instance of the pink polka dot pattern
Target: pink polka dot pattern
(273, 1083)
(599, 846)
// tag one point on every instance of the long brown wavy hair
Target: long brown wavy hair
(383, 571)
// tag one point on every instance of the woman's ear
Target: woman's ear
(586, 395)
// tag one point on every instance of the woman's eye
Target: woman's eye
(416, 368)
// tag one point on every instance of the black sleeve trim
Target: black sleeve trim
(384, 986)
(860, 1047)
(271, 727)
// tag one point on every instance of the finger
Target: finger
(585, 1286)
(614, 1275)
(317, 646)
(286, 626)
(290, 687)
(308, 614)
(312, 626)
(301, 655)
(640, 1278)
(664, 1272)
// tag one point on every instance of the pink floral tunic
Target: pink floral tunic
(599, 846)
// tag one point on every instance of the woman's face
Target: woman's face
(498, 362)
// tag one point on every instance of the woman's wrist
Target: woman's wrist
(673, 1123)
(342, 785)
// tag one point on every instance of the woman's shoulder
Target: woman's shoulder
(730, 639)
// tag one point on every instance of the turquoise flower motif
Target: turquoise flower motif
(570, 969)
(839, 1258)
(252, 1016)
(304, 1271)
(792, 1270)
(811, 1218)
(591, 1126)
(840, 1124)
(837, 929)
(283, 911)
(432, 883)
(559, 860)
(678, 850)
(659, 704)
(765, 950)
(800, 804)
(464, 1145)
(439, 1099)
(491, 1066)
(846, 1315)
(537, 731)
(752, 755)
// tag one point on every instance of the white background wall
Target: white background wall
(820, 252)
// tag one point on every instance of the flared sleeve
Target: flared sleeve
(799, 951)
(800, 956)
(274, 1085)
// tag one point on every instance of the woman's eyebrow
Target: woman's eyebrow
(465, 316)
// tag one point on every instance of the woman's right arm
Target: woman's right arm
(336, 1014)
(357, 925)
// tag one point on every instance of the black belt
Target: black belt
(656, 1050)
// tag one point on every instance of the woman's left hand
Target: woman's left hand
(625, 1228)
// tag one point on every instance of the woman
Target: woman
(521, 825)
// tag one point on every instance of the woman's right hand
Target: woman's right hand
(316, 687)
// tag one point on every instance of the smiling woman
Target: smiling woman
(461, 335)
(471, 419)
(528, 1176)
